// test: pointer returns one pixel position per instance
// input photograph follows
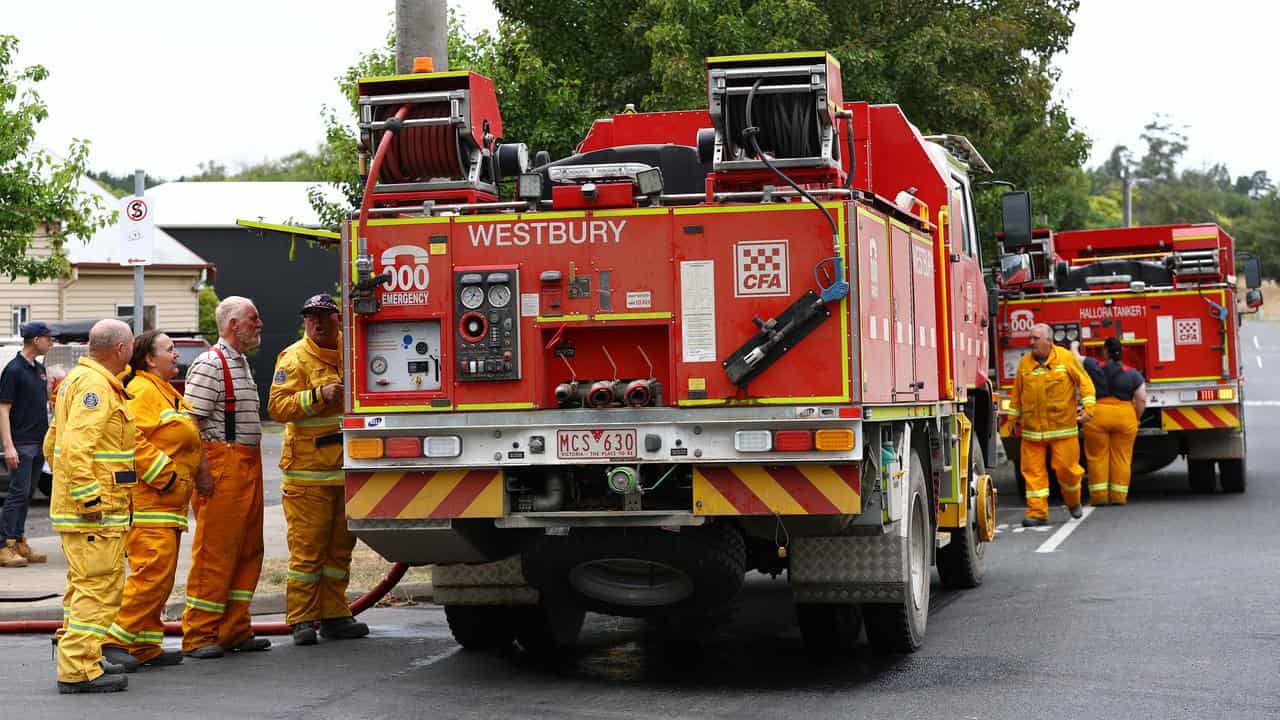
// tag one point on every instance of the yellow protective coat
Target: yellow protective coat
(168, 453)
(91, 441)
(1108, 446)
(1043, 404)
(313, 494)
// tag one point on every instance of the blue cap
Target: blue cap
(36, 329)
(321, 303)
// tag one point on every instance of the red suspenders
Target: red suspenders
(229, 393)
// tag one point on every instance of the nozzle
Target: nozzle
(601, 394)
(638, 393)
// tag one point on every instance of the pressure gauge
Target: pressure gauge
(499, 296)
(472, 296)
(378, 365)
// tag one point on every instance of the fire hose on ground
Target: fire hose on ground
(359, 605)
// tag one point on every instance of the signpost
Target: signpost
(137, 240)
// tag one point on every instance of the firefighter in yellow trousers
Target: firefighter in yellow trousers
(168, 455)
(306, 393)
(1109, 436)
(1043, 411)
(91, 442)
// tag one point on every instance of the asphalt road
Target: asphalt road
(1167, 608)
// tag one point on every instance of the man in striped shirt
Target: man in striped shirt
(226, 554)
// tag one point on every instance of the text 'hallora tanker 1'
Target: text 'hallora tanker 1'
(747, 338)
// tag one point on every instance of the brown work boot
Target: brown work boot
(9, 556)
(31, 555)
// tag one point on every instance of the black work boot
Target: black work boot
(120, 656)
(107, 666)
(206, 652)
(100, 684)
(304, 633)
(1033, 522)
(253, 644)
(165, 659)
(1076, 511)
(345, 628)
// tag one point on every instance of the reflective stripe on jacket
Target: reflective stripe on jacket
(91, 446)
(301, 370)
(1044, 395)
(168, 452)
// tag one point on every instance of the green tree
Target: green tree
(37, 190)
(207, 298)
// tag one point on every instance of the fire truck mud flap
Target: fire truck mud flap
(640, 572)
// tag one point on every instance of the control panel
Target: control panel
(487, 332)
(403, 356)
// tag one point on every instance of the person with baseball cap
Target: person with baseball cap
(306, 394)
(24, 420)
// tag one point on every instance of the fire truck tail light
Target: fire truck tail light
(1207, 394)
(1226, 393)
(753, 441)
(364, 448)
(793, 440)
(834, 439)
(1005, 403)
(442, 446)
(403, 447)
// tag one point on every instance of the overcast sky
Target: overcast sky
(165, 85)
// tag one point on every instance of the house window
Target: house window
(21, 314)
(125, 313)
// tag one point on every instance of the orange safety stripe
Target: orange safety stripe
(1202, 417)
(427, 494)
(780, 489)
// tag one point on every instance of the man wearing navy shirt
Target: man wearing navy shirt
(24, 420)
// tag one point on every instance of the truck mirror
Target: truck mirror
(1253, 299)
(1253, 273)
(1016, 208)
(1015, 269)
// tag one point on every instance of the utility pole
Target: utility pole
(422, 30)
(139, 190)
(1129, 181)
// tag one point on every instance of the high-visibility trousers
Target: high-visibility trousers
(95, 582)
(319, 553)
(1108, 449)
(226, 552)
(1065, 456)
(153, 562)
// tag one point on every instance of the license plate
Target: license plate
(587, 444)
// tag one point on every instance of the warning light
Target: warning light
(424, 65)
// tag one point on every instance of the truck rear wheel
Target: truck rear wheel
(963, 561)
(1232, 475)
(481, 627)
(828, 629)
(641, 572)
(900, 628)
(1200, 475)
(544, 629)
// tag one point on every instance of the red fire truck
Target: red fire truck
(749, 337)
(1170, 294)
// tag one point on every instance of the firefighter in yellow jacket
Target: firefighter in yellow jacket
(168, 455)
(1043, 410)
(306, 394)
(91, 441)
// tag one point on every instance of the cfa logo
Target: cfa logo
(1021, 322)
(760, 268)
(410, 276)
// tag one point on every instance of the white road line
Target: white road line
(1064, 532)
(1259, 359)
(1262, 403)
(1255, 343)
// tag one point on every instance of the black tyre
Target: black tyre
(1231, 473)
(640, 572)
(828, 629)
(481, 627)
(896, 629)
(1200, 476)
(547, 629)
(963, 561)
